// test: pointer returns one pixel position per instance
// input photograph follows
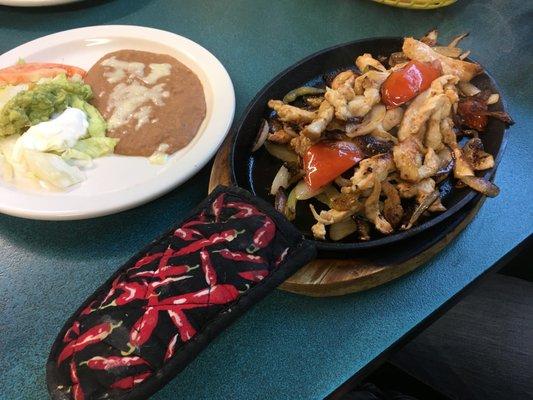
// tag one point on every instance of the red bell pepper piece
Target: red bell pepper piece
(326, 160)
(406, 83)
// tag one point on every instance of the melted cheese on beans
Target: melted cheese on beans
(134, 98)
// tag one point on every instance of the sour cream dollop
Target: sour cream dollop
(58, 134)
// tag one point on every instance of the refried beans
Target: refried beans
(149, 100)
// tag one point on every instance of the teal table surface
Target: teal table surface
(287, 346)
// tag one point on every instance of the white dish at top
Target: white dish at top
(116, 183)
(35, 3)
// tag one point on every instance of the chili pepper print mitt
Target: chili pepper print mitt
(160, 309)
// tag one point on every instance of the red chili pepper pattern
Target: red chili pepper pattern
(263, 236)
(89, 309)
(130, 381)
(245, 210)
(217, 206)
(240, 256)
(225, 236)
(185, 329)
(72, 332)
(165, 297)
(187, 234)
(93, 335)
(146, 260)
(219, 294)
(207, 267)
(143, 328)
(165, 272)
(254, 276)
(281, 257)
(107, 363)
(77, 392)
(171, 348)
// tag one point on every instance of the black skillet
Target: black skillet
(164, 305)
(255, 171)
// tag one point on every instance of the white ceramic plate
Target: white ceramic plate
(117, 183)
(35, 3)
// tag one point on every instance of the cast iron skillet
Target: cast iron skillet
(255, 171)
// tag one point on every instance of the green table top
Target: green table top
(288, 346)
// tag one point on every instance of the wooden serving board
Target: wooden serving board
(335, 277)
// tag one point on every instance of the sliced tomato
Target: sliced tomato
(406, 83)
(32, 72)
(326, 160)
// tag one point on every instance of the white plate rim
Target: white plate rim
(221, 120)
(35, 3)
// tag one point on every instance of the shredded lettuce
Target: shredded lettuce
(96, 146)
(97, 124)
(52, 169)
(35, 167)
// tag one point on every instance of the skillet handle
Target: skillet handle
(159, 310)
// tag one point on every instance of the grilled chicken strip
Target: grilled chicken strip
(373, 212)
(464, 70)
(392, 206)
(371, 169)
(339, 102)
(341, 78)
(355, 99)
(371, 79)
(420, 190)
(476, 156)
(319, 231)
(424, 105)
(366, 60)
(288, 113)
(327, 218)
(324, 116)
(280, 136)
(411, 162)
(301, 144)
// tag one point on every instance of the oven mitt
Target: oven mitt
(160, 309)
